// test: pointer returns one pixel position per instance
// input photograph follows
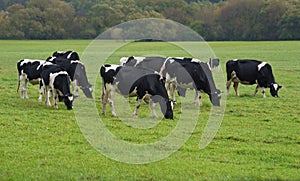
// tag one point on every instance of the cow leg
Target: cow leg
(111, 102)
(236, 85)
(263, 92)
(256, 90)
(41, 91)
(172, 87)
(152, 107)
(47, 101)
(24, 81)
(197, 98)
(75, 88)
(228, 86)
(24, 90)
(55, 98)
(104, 98)
(137, 106)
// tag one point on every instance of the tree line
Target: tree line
(213, 20)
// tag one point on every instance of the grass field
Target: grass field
(258, 140)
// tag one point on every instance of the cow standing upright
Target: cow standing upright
(77, 73)
(57, 80)
(133, 81)
(191, 73)
(30, 71)
(251, 72)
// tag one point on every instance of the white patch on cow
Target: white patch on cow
(179, 58)
(133, 93)
(123, 60)
(171, 60)
(195, 60)
(275, 86)
(69, 55)
(208, 64)
(43, 63)
(76, 61)
(54, 75)
(139, 60)
(235, 59)
(25, 61)
(51, 59)
(111, 67)
(261, 65)
(71, 98)
(172, 105)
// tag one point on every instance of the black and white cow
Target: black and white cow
(133, 81)
(191, 73)
(152, 64)
(57, 80)
(251, 72)
(30, 71)
(77, 73)
(71, 55)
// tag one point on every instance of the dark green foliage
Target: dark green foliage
(212, 19)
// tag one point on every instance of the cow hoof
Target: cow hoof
(114, 114)
(135, 116)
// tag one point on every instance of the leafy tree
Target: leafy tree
(42, 19)
(290, 24)
(239, 20)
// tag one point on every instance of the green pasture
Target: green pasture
(258, 139)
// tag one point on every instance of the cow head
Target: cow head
(274, 89)
(215, 97)
(168, 113)
(68, 100)
(80, 75)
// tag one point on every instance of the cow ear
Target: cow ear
(279, 87)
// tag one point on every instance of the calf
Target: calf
(251, 72)
(132, 81)
(76, 70)
(57, 80)
(30, 71)
(191, 73)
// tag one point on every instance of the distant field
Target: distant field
(258, 140)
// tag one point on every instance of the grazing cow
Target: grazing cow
(251, 72)
(57, 80)
(152, 64)
(71, 55)
(30, 71)
(214, 63)
(133, 81)
(191, 73)
(77, 73)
